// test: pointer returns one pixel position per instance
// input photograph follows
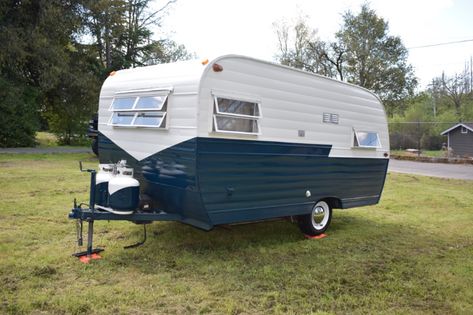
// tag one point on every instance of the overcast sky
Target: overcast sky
(211, 27)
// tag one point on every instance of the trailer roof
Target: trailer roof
(188, 73)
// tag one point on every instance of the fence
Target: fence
(421, 135)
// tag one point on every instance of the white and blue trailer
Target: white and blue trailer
(236, 139)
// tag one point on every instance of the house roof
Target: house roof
(468, 126)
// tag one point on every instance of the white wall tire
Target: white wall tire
(318, 221)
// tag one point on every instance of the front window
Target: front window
(139, 111)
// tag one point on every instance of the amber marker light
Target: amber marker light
(111, 74)
(217, 68)
(205, 61)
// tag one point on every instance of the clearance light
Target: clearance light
(111, 74)
(205, 61)
(217, 68)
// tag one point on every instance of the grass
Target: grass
(46, 139)
(411, 254)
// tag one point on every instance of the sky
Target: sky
(211, 28)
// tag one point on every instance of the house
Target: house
(460, 139)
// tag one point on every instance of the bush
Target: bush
(432, 142)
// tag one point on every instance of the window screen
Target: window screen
(366, 139)
(236, 116)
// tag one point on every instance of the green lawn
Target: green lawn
(412, 253)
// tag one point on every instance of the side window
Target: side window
(366, 139)
(236, 116)
(147, 111)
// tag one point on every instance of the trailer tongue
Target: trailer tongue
(112, 186)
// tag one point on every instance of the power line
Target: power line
(442, 44)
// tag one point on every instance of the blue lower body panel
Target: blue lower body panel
(210, 181)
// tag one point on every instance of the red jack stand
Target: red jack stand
(317, 237)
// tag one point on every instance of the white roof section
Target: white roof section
(183, 76)
(467, 126)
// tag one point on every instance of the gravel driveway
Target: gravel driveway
(455, 171)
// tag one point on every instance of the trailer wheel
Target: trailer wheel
(316, 222)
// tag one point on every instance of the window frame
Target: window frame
(464, 130)
(356, 140)
(218, 113)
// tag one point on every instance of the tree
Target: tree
(19, 114)
(166, 51)
(363, 53)
(122, 35)
(374, 59)
(36, 37)
(48, 70)
(299, 47)
(455, 88)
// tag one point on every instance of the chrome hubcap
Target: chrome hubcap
(320, 215)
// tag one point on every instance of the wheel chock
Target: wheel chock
(87, 258)
(315, 236)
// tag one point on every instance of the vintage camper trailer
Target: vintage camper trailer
(235, 139)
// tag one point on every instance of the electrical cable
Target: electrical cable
(442, 44)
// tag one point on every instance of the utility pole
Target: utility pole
(434, 105)
(471, 73)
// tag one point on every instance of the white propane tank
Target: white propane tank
(123, 190)
(102, 178)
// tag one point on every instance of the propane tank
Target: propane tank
(123, 189)
(104, 175)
